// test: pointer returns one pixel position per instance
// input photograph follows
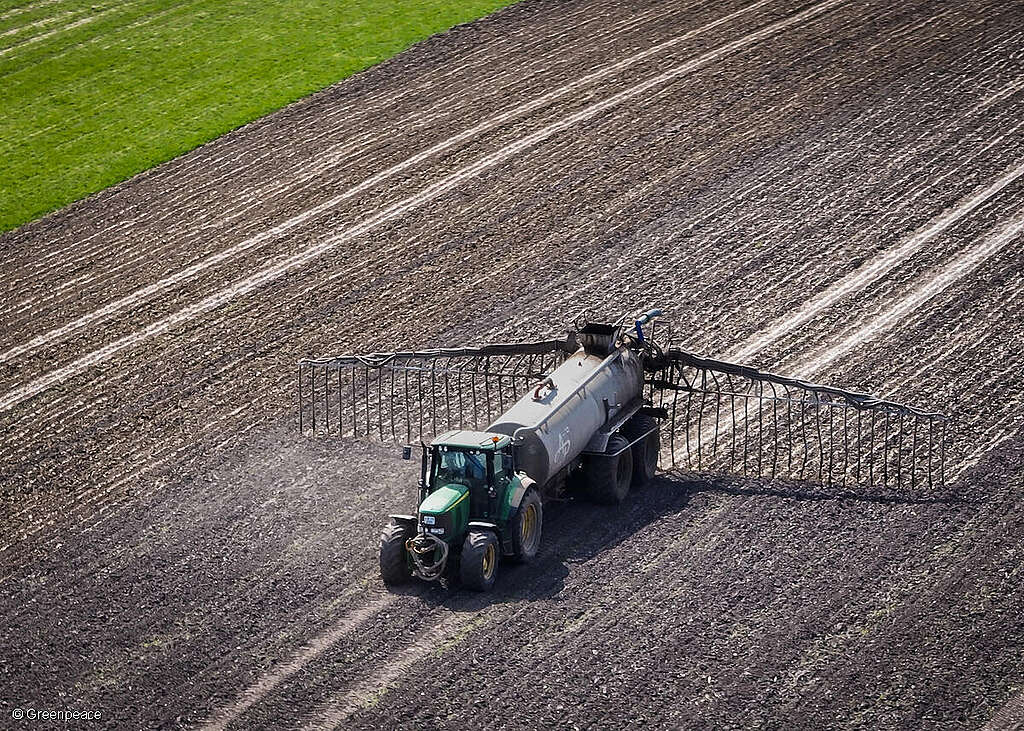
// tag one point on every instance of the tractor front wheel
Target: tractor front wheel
(525, 527)
(609, 475)
(394, 559)
(479, 564)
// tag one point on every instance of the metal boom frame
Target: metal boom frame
(720, 416)
(727, 417)
(407, 395)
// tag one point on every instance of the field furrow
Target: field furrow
(827, 189)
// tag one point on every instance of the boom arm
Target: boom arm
(404, 396)
(727, 417)
(719, 416)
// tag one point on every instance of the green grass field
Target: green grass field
(94, 92)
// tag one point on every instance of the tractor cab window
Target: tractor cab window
(465, 467)
(502, 466)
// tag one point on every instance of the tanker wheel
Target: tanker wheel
(394, 559)
(478, 567)
(609, 474)
(645, 452)
(525, 527)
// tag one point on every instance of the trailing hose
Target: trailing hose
(419, 547)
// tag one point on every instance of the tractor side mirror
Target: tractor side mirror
(407, 452)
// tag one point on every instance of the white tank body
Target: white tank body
(589, 390)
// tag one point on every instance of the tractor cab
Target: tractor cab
(468, 465)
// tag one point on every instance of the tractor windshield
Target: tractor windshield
(466, 467)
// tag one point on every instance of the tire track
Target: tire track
(314, 649)
(607, 627)
(299, 168)
(872, 271)
(964, 165)
(340, 707)
(696, 598)
(865, 330)
(107, 492)
(273, 272)
(338, 711)
(188, 274)
(958, 266)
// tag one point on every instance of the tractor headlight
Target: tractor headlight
(428, 520)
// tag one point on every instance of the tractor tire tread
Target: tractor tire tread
(394, 564)
(526, 553)
(645, 452)
(471, 564)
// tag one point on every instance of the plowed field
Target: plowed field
(829, 189)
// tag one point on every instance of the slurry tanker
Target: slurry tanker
(482, 492)
(514, 425)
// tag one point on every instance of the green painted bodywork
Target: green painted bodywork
(454, 500)
(513, 495)
(442, 499)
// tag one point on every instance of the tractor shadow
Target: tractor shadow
(576, 531)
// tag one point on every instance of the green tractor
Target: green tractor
(585, 425)
(473, 505)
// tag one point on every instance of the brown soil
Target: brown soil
(174, 554)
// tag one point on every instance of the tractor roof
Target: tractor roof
(472, 439)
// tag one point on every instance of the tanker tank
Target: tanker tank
(552, 424)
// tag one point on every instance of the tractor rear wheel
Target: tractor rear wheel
(609, 474)
(478, 567)
(645, 451)
(525, 527)
(394, 559)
